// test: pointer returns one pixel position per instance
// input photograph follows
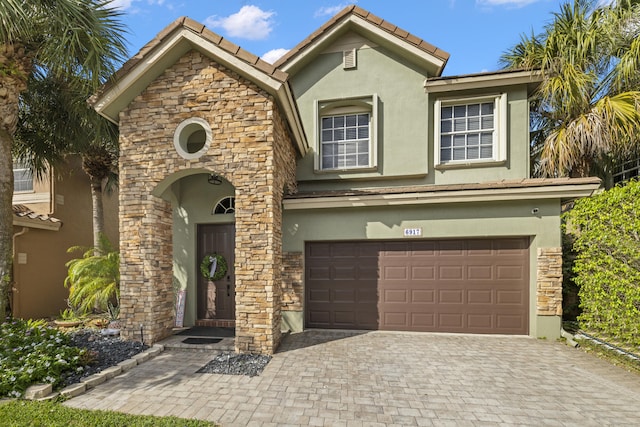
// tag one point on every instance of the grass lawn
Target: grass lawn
(18, 413)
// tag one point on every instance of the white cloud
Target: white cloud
(250, 22)
(512, 3)
(121, 4)
(274, 54)
(331, 10)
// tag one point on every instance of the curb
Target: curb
(44, 391)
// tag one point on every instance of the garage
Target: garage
(458, 285)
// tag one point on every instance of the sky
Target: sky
(474, 32)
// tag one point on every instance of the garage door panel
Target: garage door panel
(480, 272)
(450, 272)
(319, 273)
(477, 286)
(319, 295)
(423, 296)
(480, 297)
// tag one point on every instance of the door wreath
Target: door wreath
(213, 267)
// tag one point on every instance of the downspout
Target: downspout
(52, 192)
(14, 290)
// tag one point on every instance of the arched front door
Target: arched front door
(216, 300)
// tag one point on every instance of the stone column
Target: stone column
(146, 294)
(549, 282)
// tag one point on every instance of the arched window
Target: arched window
(226, 205)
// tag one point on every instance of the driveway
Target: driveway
(333, 378)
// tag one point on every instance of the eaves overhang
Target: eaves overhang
(25, 217)
(531, 78)
(152, 61)
(383, 33)
(432, 195)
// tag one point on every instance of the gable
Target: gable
(353, 19)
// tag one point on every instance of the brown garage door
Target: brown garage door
(473, 286)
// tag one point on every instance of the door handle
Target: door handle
(228, 289)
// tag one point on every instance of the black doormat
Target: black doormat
(209, 331)
(197, 340)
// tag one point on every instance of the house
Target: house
(349, 185)
(51, 214)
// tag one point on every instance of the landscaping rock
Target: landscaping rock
(236, 364)
(107, 350)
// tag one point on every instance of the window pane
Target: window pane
(487, 122)
(338, 134)
(445, 141)
(338, 121)
(445, 154)
(459, 125)
(328, 149)
(446, 112)
(473, 110)
(445, 126)
(363, 146)
(351, 120)
(459, 153)
(327, 122)
(351, 133)
(486, 138)
(363, 160)
(473, 139)
(473, 153)
(327, 162)
(327, 135)
(459, 140)
(350, 148)
(487, 108)
(486, 152)
(474, 123)
(460, 111)
(351, 160)
(363, 132)
(363, 119)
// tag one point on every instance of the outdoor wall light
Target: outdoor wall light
(214, 179)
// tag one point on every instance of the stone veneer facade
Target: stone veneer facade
(292, 279)
(549, 282)
(251, 148)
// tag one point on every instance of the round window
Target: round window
(192, 138)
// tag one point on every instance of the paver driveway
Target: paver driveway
(337, 378)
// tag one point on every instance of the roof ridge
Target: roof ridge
(372, 19)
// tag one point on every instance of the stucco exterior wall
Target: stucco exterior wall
(41, 255)
(247, 130)
(404, 123)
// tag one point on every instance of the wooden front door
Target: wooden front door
(216, 300)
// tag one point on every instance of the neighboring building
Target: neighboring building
(51, 215)
(347, 186)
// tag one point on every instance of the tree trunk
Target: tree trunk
(6, 220)
(98, 213)
(12, 57)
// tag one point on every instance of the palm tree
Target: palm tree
(586, 112)
(54, 121)
(62, 37)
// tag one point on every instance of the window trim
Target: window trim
(356, 105)
(500, 135)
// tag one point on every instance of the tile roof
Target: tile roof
(493, 185)
(197, 28)
(373, 19)
(30, 218)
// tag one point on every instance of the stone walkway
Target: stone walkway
(332, 378)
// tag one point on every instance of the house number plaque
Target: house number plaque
(412, 232)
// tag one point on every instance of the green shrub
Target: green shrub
(606, 229)
(94, 279)
(32, 352)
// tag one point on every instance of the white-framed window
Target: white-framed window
(470, 130)
(22, 178)
(346, 134)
